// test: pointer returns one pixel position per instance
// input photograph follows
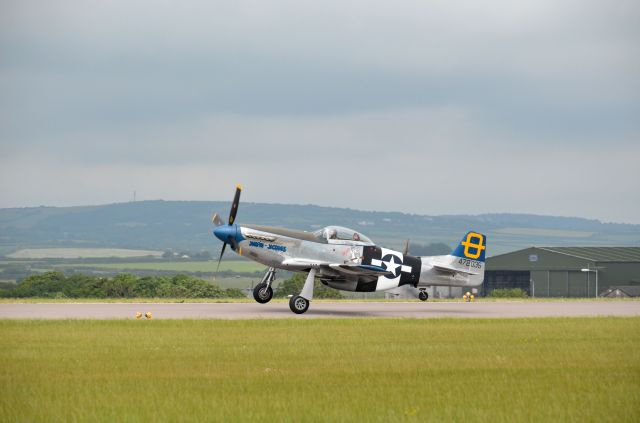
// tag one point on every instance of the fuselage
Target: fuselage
(300, 251)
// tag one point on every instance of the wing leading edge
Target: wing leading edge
(347, 270)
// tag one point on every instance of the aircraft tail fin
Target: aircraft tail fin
(466, 260)
(473, 246)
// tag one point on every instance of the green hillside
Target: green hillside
(185, 225)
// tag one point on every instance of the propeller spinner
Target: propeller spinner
(227, 233)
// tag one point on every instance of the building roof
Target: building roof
(632, 291)
(599, 254)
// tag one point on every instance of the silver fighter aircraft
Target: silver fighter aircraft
(346, 259)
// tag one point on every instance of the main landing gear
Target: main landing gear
(300, 303)
(423, 295)
(263, 292)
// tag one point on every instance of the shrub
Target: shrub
(234, 293)
(508, 293)
(124, 285)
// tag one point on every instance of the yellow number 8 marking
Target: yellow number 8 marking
(468, 243)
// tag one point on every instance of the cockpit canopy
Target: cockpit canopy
(341, 233)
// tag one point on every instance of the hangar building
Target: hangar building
(563, 271)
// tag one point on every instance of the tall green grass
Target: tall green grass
(580, 369)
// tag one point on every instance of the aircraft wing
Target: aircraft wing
(452, 270)
(347, 270)
(304, 262)
(360, 270)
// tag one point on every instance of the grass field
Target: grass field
(177, 266)
(545, 232)
(70, 253)
(584, 369)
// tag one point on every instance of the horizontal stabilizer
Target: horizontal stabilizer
(452, 270)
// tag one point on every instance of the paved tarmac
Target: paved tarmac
(322, 309)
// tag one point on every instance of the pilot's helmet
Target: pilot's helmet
(333, 234)
(356, 236)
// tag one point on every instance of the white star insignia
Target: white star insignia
(392, 266)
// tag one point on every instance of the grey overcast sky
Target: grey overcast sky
(431, 107)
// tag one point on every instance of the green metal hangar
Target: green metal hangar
(563, 271)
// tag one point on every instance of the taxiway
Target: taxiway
(321, 309)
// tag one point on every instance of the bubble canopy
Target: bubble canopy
(342, 234)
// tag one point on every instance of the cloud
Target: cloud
(333, 103)
(431, 162)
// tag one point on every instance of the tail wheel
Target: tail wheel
(262, 293)
(423, 296)
(298, 304)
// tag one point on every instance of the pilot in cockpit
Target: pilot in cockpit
(333, 234)
(356, 237)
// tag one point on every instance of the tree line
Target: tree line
(123, 285)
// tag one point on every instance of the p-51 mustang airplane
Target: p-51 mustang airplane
(345, 259)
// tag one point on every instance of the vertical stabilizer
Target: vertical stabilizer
(473, 246)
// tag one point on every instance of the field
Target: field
(583, 369)
(545, 232)
(69, 253)
(206, 266)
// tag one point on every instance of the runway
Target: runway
(321, 309)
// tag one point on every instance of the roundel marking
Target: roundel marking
(393, 264)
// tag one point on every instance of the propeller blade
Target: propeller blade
(405, 250)
(215, 219)
(234, 205)
(221, 254)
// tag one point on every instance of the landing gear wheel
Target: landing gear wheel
(298, 304)
(423, 295)
(262, 293)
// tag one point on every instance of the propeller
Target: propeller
(215, 219)
(224, 232)
(221, 254)
(405, 250)
(234, 205)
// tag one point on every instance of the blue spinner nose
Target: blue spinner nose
(224, 232)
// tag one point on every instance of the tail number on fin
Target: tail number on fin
(474, 241)
(470, 263)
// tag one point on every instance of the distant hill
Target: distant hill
(185, 225)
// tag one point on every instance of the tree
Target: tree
(234, 293)
(40, 285)
(124, 285)
(121, 286)
(84, 286)
(202, 255)
(148, 286)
